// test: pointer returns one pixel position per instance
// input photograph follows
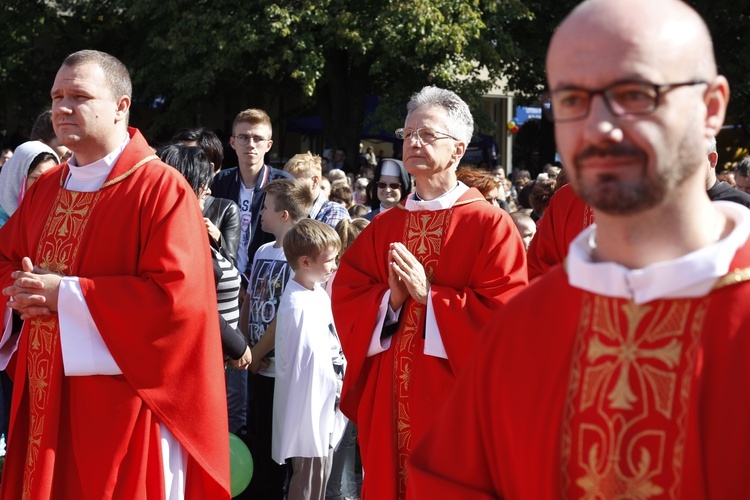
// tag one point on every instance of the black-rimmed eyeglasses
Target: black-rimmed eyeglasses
(424, 135)
(624, 98)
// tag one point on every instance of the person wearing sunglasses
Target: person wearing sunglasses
(391, 184)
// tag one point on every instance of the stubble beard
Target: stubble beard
(614, 196)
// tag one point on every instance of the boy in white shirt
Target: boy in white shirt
(286, 202)
(307, 422)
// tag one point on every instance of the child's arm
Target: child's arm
(244, 315)
(263, 347)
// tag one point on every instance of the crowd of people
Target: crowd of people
(419, 328)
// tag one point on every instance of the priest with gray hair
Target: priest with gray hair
(415, 289)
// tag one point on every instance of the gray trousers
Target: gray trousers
(310, 477)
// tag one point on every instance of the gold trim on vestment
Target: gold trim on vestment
(133, 169)
(733, 278)
(424, 231)
(57, 251)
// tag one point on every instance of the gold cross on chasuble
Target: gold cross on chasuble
(57, 251)
(624, 422)
(423, 236)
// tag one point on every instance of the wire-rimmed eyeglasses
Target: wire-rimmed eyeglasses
(424, 135)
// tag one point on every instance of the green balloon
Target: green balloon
(240, 465)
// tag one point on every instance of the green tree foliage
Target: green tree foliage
(26, 60)
(336, 52)
(37, 36)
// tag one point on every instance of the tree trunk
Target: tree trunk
(342, 101)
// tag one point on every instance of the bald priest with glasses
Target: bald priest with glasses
(415, 290)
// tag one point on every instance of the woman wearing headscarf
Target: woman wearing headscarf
(30, 160)
(391, 184)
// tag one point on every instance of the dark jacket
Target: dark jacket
(226, 184)
(723, 191)
(225, 214)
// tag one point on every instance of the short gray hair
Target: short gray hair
(460, 122)
(710, 145)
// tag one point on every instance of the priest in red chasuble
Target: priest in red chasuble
(117, 366)
(620, 374)
(415, 289)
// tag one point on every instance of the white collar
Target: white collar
(445, 200)
(692, 275)
(91, 177)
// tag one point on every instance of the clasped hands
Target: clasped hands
(406, 277)
(34, 291)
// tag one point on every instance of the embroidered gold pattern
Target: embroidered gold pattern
(423, 237)
(624, 424)
(57, 251)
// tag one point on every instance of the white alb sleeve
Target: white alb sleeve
(433, 341)
(83, 349)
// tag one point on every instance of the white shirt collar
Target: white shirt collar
(442, 202)
(692, 275)
(91, 177)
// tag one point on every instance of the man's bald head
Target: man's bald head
(669, 32)
(635, 93)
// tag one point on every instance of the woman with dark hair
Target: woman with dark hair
(193, 164)
(391, 184)
(45, 132)
(221, 216)
(30, 160)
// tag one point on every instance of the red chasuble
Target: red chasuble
(149, 287)
(475, 262)
(566, 216)
(587, 396)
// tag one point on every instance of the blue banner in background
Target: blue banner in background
(524, 113)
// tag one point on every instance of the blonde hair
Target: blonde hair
(253, 117)
(348, 230)
(304, 165)
(292, 196)
(309, 238)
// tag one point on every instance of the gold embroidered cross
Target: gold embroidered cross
(635, 352)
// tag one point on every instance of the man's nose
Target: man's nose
(600, 123)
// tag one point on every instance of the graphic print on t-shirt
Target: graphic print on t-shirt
(267, 283)
(246, 218)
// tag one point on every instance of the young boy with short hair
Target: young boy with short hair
(307, 421)
(286, 202)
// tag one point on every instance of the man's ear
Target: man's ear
(716, 99)
(315, 181)
(458, 152)
(123, 105)
(713, 158)
(285, 215)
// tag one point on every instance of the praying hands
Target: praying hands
(34, 291)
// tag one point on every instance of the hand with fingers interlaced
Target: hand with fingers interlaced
(34, 291)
